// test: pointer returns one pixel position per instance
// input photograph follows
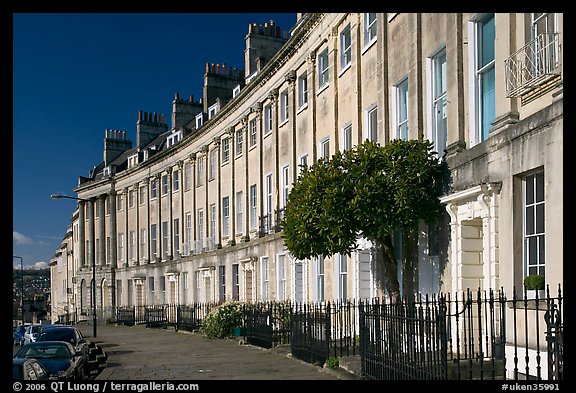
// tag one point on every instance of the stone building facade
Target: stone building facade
(191, 212)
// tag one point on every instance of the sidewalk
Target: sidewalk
(140, 353)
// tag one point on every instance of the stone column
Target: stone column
(90, 235)
(113, 230)
(102, 230)
(82, 260)
(218, 236)
(170, 255)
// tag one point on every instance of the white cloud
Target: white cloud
(40, 265)
(20, 239)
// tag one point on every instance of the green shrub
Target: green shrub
(221, 321)
(332, 362)
(534, 281)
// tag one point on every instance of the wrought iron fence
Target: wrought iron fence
(469, 335)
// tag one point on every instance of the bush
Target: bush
(332, 362)
(221, 321)
(534, 281)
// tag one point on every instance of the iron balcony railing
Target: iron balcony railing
(533, 65)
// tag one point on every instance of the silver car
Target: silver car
(31, 334)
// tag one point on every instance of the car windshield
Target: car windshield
(45, 352)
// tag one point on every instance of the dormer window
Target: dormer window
(106, 171)
(132, 161)
(212, 111)
(199, 120)
(236, 91)
(173, 139)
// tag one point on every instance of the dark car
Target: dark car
(95, 357)
(28, 369)
(59, 358)
(18, 335)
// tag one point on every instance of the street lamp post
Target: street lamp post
(21, 286)
(92, 252)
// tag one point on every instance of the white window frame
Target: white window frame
(370, 29)
(319, 273)
(324, 148)
(537, 236)
(281, 277)
(142, 191)
(154, 240)
(200, 224)
(225, 150)
(253, 139)
(239, 212)
(302, 91)
(473, 77)
(285, 185)
(131, 245)
(165, 241)
(342, 291)
(323, 70)
(268, 119)
(396, 102)
(121, 246)
(264, 279)
(176, 235)
(239, 142)
(213, 221)
(226, 216)
(212, 110)
(143, 242)
(303, 161)
(434, 73)
(268, 189)
(164, 182)
(132, 161)
(346, 137)
(212, 170)
(153, 189)
(200, 171)
(284, 107)
(345, 49)
(370, 127)
(199, 120)
(175, 180)
(253, 207)
(187, 175)
(189, 239)
(236, 91)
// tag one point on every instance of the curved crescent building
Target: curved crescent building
(190, 210)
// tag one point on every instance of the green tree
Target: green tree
(368, 191)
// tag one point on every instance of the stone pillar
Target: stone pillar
(82, 260)
(218, 236)
(90, 235)
(102, 230)
(113, 231)
(170, 250)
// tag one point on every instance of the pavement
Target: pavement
(140, 353)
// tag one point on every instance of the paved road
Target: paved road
(140, 353)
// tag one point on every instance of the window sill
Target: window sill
(267, 134)
(346, 68)
(322, 88)
(370, 44)
(283, 123)
(302, 108)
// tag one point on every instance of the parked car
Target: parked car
(59, 358)
(31, 333)
(18, 334)
(74, 336)
(28, 369)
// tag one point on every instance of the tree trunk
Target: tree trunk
(409, 263)
(386, 249)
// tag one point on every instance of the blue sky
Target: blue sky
(76, 75)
